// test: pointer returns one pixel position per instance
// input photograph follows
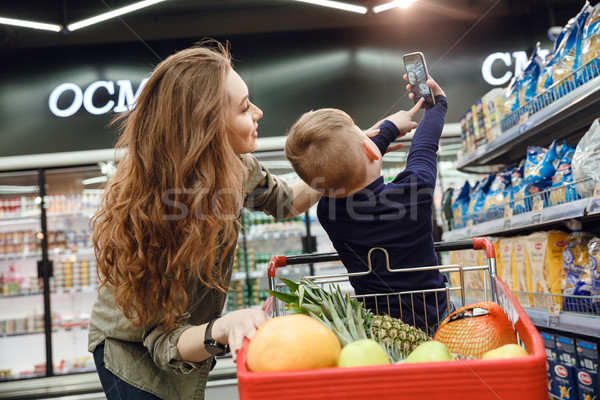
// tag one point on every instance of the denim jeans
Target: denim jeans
(114, 387)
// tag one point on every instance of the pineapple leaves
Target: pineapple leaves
(293, 286)
(285, 297)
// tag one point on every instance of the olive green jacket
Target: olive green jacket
(146, 357)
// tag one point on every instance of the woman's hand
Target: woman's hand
(233, 327)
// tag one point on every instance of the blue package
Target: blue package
(528, 84)
(563, 191)
(539, 164)
(460, 206)
(519, 191)
(493, 207)
(478, 198)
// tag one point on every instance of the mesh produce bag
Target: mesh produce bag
(476, 328)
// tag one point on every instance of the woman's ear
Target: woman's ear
(369, 151)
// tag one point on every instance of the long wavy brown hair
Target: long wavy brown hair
(168, 214)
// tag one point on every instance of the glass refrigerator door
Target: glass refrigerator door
(72, 198)
(22, 338)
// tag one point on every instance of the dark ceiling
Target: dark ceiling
(199, 18)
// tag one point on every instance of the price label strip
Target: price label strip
(553, 315)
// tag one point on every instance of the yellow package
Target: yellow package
(457, 257)
(539, 282)
(505, 256)
(474, 279)
(521, 272)
(496, 242)
(554, 258)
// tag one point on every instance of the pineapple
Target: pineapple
(348, 319)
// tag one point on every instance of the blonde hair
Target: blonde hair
(323, 147)
(160, 221)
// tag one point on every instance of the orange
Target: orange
(292, 342)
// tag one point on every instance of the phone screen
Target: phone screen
(417, 77)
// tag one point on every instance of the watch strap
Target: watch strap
(212, 346)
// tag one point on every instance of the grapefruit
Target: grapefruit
(506, 351)
(292, 342)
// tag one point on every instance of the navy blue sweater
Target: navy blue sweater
(397, 217)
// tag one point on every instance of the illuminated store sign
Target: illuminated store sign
(125, 98)
(520, 62)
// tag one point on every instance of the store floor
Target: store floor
(222, 385)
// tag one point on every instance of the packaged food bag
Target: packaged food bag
(577, 279)
(585, 165)
(460, 206)
(496, 242)
(557, 241)
(567, 55)
(506, 259)
(529, 78)
(457, 258)
(519, 191)
(478, 121)
(544, 260)
(594, 258)
(590, 45)
(478, 196)
(563, 191)
(493, 206)
(521, 277)
(511, 96)
(474, 279)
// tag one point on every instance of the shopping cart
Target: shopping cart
(509, 379)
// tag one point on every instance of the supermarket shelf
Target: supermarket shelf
(221, 381)
(528, 220)
(565, 118)
(569, 322)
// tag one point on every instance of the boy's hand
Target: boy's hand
(402, 120)
(432, 84)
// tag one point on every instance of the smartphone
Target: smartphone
(416, 69)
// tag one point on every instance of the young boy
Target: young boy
(359, 211)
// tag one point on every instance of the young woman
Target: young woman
(167, 228)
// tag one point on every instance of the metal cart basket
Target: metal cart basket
(515, 378)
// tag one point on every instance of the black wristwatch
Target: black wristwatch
(212, 346)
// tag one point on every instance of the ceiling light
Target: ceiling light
(30, 24)
(393, 4)
(338, 5)
(112, 14)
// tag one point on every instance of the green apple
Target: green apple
(430, 351)
(362, 353)
(506, 351)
